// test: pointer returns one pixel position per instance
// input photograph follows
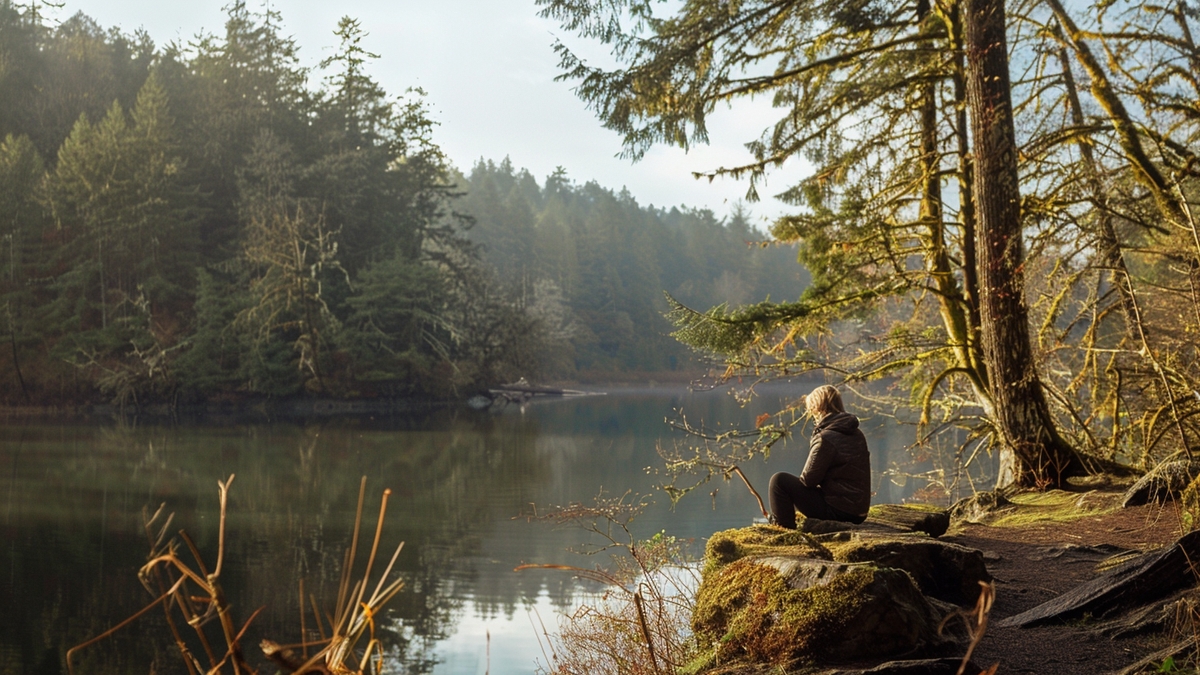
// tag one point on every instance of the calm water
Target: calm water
(73, 495)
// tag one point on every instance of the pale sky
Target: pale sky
(488, 69)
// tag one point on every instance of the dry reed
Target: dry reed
(191, 593)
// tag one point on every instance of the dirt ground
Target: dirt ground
(1031, 565)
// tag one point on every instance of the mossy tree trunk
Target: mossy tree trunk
(1033, 453)
(966, 197)
(954, 304)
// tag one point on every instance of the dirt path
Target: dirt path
(1035, 563)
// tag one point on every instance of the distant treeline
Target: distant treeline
(592, 266)
(214, 220)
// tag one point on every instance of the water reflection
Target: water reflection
(74, 495)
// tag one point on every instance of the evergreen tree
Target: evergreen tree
(868, 93)
(208, 224)
(290, 250)
(21, 174)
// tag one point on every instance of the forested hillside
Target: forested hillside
(592, 265)
(214, 220)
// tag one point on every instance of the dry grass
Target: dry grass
(976, 621)
(639, 624)
(192, 597)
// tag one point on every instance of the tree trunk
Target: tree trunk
(966, 198)
(952, 304)
(1037, 454)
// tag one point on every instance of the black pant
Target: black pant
(788, 495)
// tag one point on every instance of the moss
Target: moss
(747, 612)
(1189, 503)
(731, 545)
(1115, 561)
(845, 550)
(1054, 506)
(942, 570)
(880, 510)
(861, 548)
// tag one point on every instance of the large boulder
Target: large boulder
(783, 609)
(1166, 481)
(942, 570)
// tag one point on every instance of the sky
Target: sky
(488, 69)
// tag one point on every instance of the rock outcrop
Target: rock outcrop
(887, 518)
(948, 572)
(1139, 581)
(781, 609)
(776, 596)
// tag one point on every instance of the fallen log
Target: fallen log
(887, 518)
(1135, 583)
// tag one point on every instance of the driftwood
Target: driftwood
(521, 391)
(1135, 583)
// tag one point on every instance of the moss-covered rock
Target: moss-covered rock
(1023, 509)
(942, 570)
(785, 609)
(817, 526)
(731, 545)
(978, 507)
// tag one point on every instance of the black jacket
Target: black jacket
(840, 464)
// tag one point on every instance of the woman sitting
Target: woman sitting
(836, 481)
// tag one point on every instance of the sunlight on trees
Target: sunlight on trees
(906, 195)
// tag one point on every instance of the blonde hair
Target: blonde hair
(823, 400)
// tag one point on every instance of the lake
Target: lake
(461, 481)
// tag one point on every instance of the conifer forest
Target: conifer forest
(210, 220)
(999, 220)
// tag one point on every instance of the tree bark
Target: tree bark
(966, 195)
(952, 303)
(1036, 454)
